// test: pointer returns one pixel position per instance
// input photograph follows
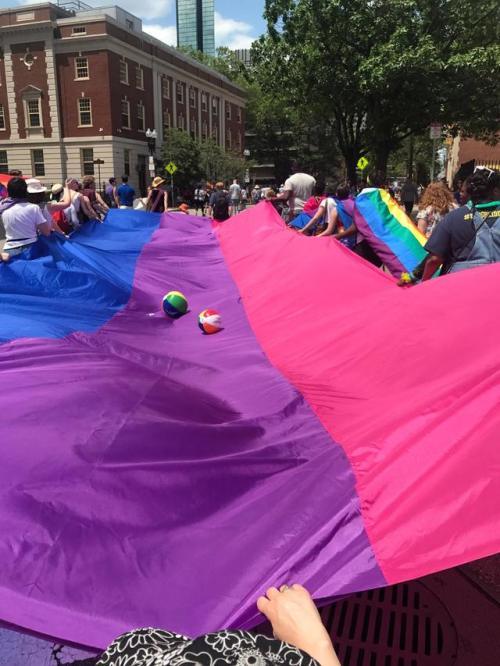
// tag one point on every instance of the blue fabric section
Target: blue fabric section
(347, 221)
(59, 286)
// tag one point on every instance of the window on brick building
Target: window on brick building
(139, 78)
(126, 162)
(79, 30)
(204, 104)
(141, 117)
(166, 119)
(129, 24)
(87, 158)
(239, 114)
(215, 106)
(125, 114)
(193, 128)
(33, 113)
(4, 163)
(180, 93)
(180, 122)
(215, 134)
(228, 140)
(204, 130)
(2, 117)
(192, 98)
(84, 112)
(123, 71)
(228, 111)
(81, 68)
(165, 88)
(38, 162)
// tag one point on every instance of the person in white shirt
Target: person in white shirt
(23, 221)
(235, 196)
(297, 190)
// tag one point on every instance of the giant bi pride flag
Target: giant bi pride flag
(340, 432)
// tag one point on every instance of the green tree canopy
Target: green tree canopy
(377, 71)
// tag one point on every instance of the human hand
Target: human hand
(296, 620)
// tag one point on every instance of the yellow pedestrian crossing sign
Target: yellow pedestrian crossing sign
(171, 168)
(362, 163)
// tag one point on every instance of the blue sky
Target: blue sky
(237, 23)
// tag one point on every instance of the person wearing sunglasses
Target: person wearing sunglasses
(470, 235)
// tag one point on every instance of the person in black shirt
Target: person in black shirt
(470, 235)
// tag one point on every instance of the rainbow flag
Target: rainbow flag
(390, 232)
(154, 476)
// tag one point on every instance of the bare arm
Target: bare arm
(87, 208)
(101, 202)
(332, 224)
(61, 205)
(432, 264)
(44, 229)
(317, 216)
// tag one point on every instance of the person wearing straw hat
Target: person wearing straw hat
(51, 210)
(157, 201)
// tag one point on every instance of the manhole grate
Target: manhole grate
(403, 625)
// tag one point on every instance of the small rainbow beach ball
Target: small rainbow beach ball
(210, 322)
(175, 304)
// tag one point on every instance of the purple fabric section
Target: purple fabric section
(154, 476)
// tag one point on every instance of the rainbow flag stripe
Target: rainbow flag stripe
(390, 232)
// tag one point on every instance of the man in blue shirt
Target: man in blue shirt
(125, 194)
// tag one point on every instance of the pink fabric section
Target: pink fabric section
(407, 380)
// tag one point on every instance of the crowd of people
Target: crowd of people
(462, 226)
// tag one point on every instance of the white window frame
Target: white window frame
(90, 171)
(215, 106)
(126, 161)
(192, 98)
(141, 119)
(36, 174)
(4, 164)
(204, 102)
(139, 80)
(125, 80)
(3, 125)
(125, 101)
(165, 87)
(89, 111)
(229, 140)
(77, 67)
(181, 122)
(179, 93)
(27, 101)
(193, 128)
(167, 118)
(239, 114)
(228, 111)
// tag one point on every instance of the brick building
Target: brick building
(464, 154)
(80, 86)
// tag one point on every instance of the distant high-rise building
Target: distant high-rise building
(244, 56)
(195, 25)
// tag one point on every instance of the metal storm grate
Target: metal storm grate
(403, 625)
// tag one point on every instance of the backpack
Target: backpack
(220, 209)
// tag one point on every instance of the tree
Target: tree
(380, 70)
(179, 147)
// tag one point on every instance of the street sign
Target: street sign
(171, 168)
(362, 163)
(436, 131)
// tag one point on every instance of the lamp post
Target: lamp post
(99, 162)
(246, 155)
(151, 136)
